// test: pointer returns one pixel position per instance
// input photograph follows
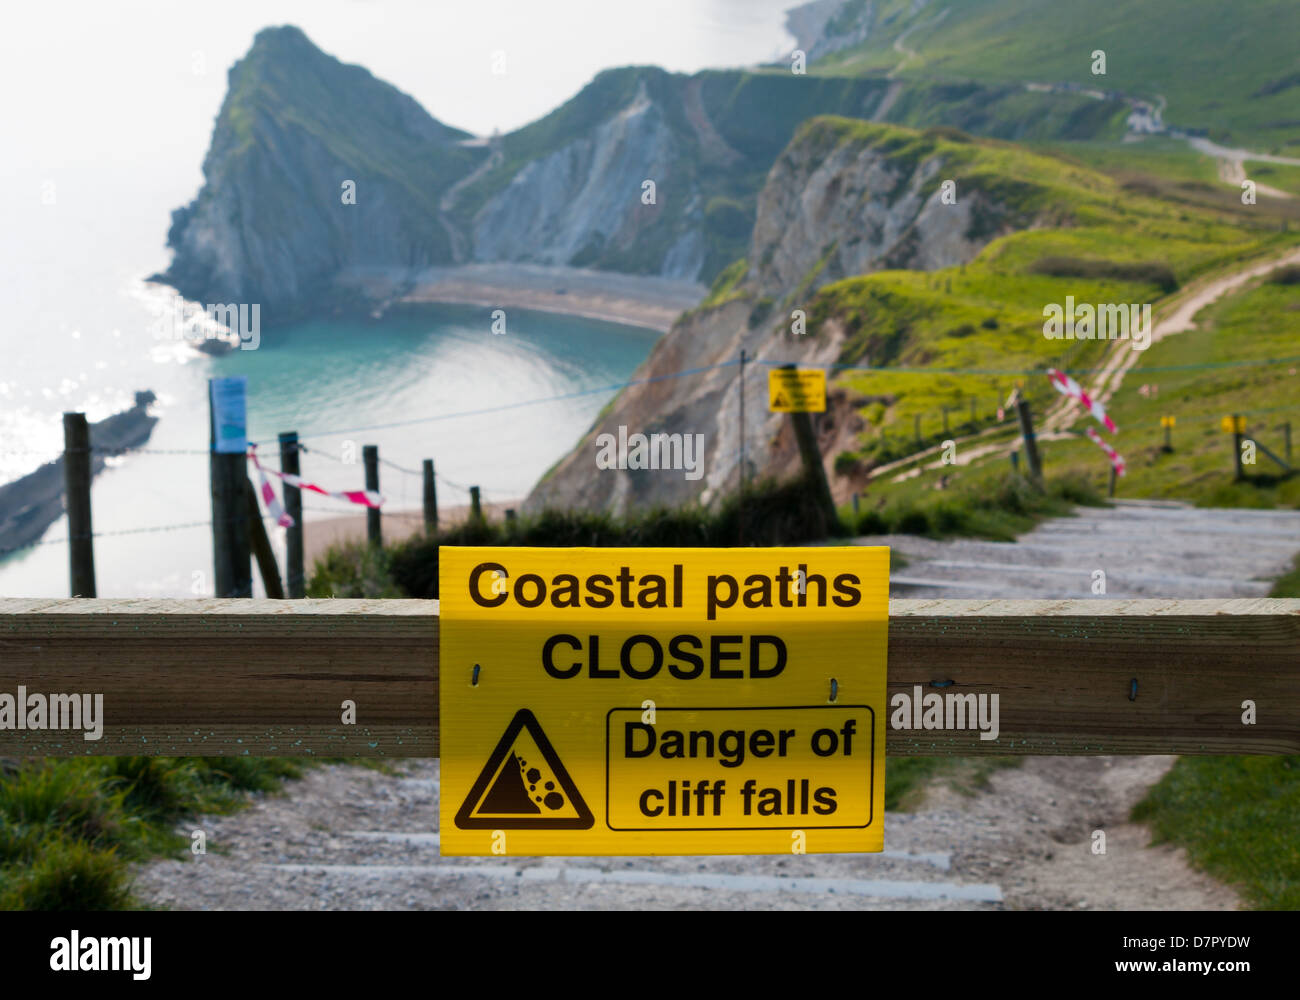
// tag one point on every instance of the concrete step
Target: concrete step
(1146, 548)
(707, 881)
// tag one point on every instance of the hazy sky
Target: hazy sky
(121, 82)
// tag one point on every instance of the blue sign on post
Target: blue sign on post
(229, 414)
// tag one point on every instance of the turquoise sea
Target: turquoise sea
(109, 117)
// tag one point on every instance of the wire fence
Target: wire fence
(963, 415)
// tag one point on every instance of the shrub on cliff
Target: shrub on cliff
(769, 514)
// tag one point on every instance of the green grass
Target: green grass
(1154, 155)
(352, 570)
(1231, 70)
(70, 829)
(1098, 238)
(1237, 817)
(1279, 175)
(724, 285)
(1257, 323)
(998, 505)
(1288, 585)
(908, 779)
(1007, 111)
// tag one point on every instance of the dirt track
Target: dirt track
(1177, 316)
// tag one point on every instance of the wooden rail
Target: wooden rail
(236, 677)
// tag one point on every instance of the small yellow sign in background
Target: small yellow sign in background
(796, 390)
(1230, 424)
(662, 701)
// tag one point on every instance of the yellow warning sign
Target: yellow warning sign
(1233, 424)
(796, 390)
(1167, 422)
(662, 701)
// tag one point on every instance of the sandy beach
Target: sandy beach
(637, 300)
(397, 525)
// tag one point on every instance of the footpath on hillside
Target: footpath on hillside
(348, 837)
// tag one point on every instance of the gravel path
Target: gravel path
(353, 838)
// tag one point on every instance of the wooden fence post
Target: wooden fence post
(1239, 473)
(813, 468)
(231, 555)
(1031, 445)
(260, 542)
(741, 381)
(295, 578)
(430, 499)
(370, 456)
(475, 505)
(76, 478)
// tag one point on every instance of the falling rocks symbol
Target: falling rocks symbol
(513, 793)
(508, 794)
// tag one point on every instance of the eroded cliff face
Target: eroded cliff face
(317, 170)
(852, 209)
(275, 221)
(834, 205)
(582, 201)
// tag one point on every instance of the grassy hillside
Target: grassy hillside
(1232, 70)
(1257, 324)
(1260, 323)
(1099, 239)
(1007, 111)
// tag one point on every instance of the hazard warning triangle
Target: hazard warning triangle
(524, 786)
(780, 400)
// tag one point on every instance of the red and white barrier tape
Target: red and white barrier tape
(1069, 387)
(1115, 460)
(364, 498)
(273, 506)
